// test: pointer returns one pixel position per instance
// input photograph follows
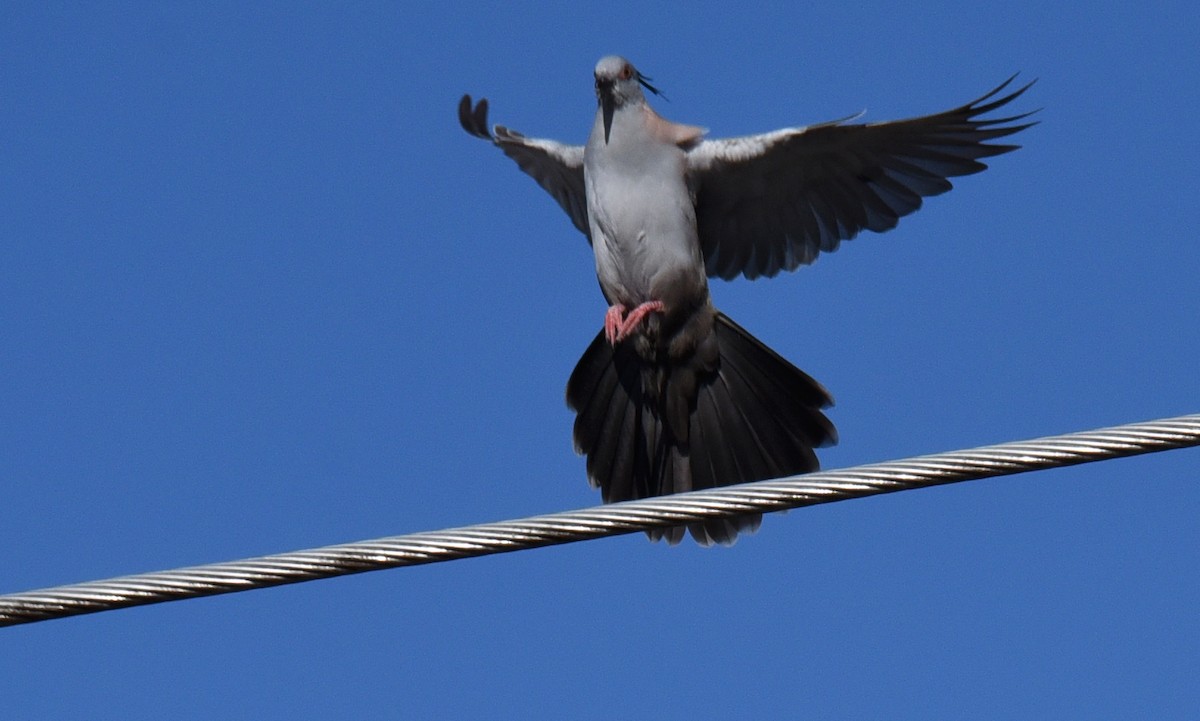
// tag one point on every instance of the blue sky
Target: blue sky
(259, 292)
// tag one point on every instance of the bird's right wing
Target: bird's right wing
(558, 168)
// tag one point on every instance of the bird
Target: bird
(672, 395)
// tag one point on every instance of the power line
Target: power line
(588, 523)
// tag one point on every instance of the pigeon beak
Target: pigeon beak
(608, 105)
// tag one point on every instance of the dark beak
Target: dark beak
(608, 105)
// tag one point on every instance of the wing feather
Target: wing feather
(557, 167)
(772, 202)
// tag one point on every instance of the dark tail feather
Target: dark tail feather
(755, 416)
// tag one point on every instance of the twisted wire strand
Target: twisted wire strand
(589, 523)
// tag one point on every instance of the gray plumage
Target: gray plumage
(672, 395)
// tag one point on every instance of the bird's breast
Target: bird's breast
(643, 223)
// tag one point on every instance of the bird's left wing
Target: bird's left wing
(772, 202)
(558, 168)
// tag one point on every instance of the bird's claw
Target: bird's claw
(614, 319)
(618, 324)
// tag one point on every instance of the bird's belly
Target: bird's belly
(632, 257)
(643, 227)
(622, 277)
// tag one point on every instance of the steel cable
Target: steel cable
(588, 523)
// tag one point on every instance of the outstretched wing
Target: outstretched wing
(772, 202)
(558, 168)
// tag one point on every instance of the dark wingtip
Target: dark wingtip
(474, 120)
(645, 81)
(981, 105)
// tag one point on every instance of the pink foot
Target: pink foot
(636, 316)
(613, 320)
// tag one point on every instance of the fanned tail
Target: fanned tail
(751, 416)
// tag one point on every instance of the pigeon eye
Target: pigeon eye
(627, 72)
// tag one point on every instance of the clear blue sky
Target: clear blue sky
(259, 292)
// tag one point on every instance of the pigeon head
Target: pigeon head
(618, 84)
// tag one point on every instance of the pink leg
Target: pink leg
(613, 320)
(636, 316)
